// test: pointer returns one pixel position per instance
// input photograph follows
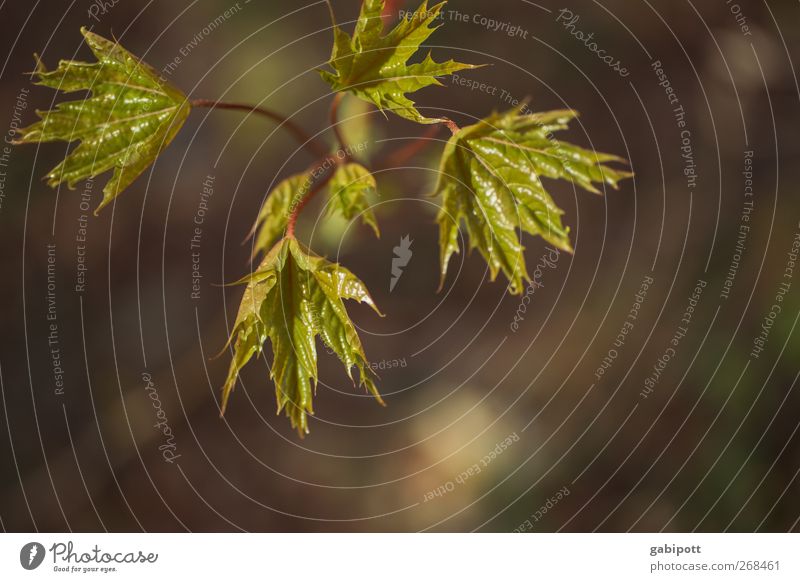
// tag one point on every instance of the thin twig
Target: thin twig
(335, 160)
(309, 143)
(402, 155)
(334, 121)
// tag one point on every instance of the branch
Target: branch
(311, 144)
(334, 160)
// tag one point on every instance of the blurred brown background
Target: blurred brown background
(713, 447)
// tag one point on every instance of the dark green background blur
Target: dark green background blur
(713, 448)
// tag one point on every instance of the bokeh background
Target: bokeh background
(713, 447)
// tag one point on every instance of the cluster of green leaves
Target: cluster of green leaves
(350, 192)
(490, 179)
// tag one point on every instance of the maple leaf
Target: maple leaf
(350, 188)
(291, 299)
(273, 217)
(375, 67)
(130, 117)
(490, 177)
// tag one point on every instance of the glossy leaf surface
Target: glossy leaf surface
(126, 122)
(374, 66)
(274, 214)
(491, 180)
(294, 297)
(350, 191)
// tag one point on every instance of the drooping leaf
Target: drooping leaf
(490, 177)
(294, 297)
(375, 67)
(130, 117)
(350, 188)
(274, 214)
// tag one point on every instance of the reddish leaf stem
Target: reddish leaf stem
(451, 125)
(402, 155)
(340, 157)
(311, 144)
(313, 191)
(334, 120)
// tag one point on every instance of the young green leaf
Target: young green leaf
(130, 117)
(375, 67)
(350, 188)
(490, 177)
(292, 298)
(274, 214)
